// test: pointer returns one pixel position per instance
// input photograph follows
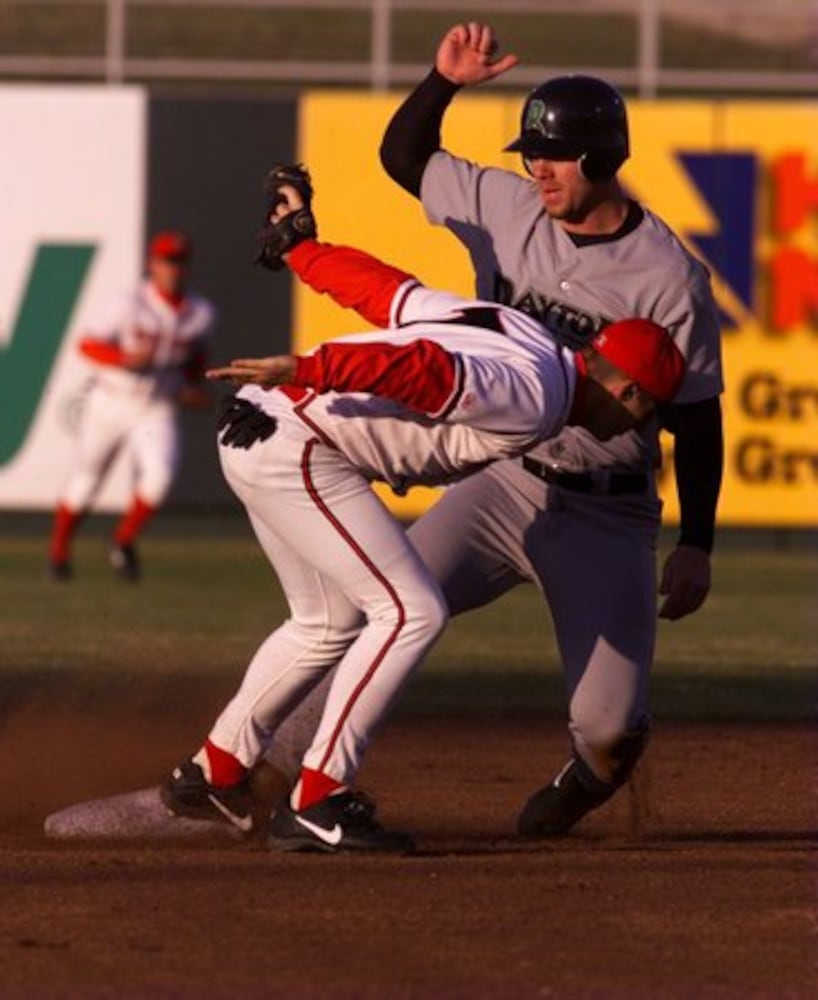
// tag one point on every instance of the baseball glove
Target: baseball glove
(276, 238)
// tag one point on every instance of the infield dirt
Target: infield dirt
(700, 881)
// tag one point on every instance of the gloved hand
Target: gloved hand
(288, 218)
(242, 423)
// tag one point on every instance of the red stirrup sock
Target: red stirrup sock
(133, 521)
(221, 769)
(312, 787)
(66, 522)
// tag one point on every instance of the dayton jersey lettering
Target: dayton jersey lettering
(568, 325)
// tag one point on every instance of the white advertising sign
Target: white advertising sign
(73, 183)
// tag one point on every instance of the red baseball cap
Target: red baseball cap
(170, 245)
(645, 352)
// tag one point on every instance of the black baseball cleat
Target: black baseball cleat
(59, 570)
(187, 793)
(555, 809)
(342, 822)
(125, 562)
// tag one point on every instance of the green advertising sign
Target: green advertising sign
(51, 292)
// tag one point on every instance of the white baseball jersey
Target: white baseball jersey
(143, 318)
(452, 385)
(136, 409)
(530, 262)
(455, 384)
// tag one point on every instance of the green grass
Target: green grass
(209, 597)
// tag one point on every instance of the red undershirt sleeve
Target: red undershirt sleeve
(422, 375)
(354, 279)
(195, 366)
(101, 351)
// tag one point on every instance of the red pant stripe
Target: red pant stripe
(356, 548)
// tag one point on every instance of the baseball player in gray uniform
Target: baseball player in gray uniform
(577, 517)
(451, 386)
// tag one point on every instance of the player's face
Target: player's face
(169, 276)
(567, 195)
(637, 403)
(613, 406)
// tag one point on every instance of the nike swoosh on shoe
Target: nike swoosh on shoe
(244, 823)
(331, 837)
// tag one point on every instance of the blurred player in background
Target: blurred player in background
(148, 347)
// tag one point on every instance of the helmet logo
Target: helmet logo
(535, 117)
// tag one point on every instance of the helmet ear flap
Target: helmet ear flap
(599, 167)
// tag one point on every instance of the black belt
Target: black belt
(601, 482)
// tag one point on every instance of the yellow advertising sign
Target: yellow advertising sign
(738, 182)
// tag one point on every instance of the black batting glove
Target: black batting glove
(242, 423)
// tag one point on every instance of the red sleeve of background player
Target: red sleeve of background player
(101, 351)
(356, 280)
(422, 375)
(195, 366)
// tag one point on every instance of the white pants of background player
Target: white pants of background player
(112, 422)
(339, 555)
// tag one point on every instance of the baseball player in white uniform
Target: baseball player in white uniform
(576, 516)
(148, 348)
(452, 385)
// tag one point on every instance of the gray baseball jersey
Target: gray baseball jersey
(523, 258)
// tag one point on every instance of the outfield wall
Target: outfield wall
(95, 170)
(100, 168)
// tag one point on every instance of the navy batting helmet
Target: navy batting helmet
(575, 118)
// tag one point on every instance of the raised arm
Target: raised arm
(354, 279)
(465, 56)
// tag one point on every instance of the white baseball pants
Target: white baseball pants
(359, 596)
(111, 422)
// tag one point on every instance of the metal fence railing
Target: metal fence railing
(647, 46)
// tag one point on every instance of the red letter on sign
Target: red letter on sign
(796, 195)
(793, 289)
